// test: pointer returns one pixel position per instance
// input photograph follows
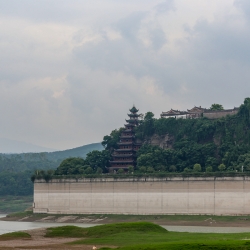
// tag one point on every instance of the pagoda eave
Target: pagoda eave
(122, 156)
(127, 162)
(123, 149)
(125, 143)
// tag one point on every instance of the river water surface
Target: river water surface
(12, 226)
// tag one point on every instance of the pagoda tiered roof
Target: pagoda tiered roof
(129, 125)
(123, 150)
(134, 110)
(132, 121)
(127, 130)
(125, 143)
(122, 161)
(134, 115)
(127, 136)
(122, 155)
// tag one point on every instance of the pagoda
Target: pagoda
(125, 155)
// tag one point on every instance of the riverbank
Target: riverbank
(125, 236)
(174, 220)
(11, 204)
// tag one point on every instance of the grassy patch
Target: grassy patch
(213, 245)
(148, 236)
(111, 229)
(9, 204)
(14, 235)
(104, 230)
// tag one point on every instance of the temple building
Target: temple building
(125, 155)
(198, 112)
(174, 114)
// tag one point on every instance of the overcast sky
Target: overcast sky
(71, 69)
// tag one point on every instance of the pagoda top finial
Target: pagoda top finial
(134, 109)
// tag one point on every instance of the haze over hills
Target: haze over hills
(74, 152)
(8, 146)
(16, 169)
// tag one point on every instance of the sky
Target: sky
(70, 70)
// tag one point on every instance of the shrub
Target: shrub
(197, 167)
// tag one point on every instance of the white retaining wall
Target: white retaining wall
(196, 195)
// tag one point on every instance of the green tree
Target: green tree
(197, 167)
(89, 170)
(216, 106)
(209, 169)
(150, 170)
(222, 167)
(99, 170)
(120, 171)
(142, 169)
(98, 159)
(110, 141)
(68, 166)
(130, 169)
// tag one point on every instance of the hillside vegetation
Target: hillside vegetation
(197, 146)
(16, 169)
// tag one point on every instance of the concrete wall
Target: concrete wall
(219, 114)
(227, 195)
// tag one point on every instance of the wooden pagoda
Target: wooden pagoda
(125, 155)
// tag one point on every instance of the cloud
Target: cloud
(70, 70)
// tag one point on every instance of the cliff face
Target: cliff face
(163, 141)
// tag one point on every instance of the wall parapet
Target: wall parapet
(146, 179)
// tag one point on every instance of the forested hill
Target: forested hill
(56, 156)
(16, 169)
(196, 144)
(74, 152)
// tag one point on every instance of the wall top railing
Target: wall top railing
(145, 178)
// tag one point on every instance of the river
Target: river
(12, 226)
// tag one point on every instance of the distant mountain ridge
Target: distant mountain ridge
(57, 155)
(74, 152)
(8, 146)
(16, 169)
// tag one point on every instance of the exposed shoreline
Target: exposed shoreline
(171, 220)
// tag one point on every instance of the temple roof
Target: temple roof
(173, 112)
(196, 109)
(134, 110)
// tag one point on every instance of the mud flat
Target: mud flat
(175, 220)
